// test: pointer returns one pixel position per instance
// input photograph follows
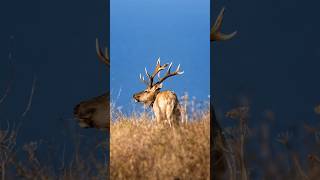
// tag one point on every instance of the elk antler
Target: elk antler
(215, 34)
(169, 74)
(104, 57)
(155, 72)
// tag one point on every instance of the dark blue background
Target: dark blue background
(272, 63)
(54, 41)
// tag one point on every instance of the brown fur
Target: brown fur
(166, 107)
(93, 112)
(165, 104)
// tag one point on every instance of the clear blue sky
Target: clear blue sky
(142, 31)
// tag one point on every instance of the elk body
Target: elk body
(219, 157)
(165, 104)
(95, 112)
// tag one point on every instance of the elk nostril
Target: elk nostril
(136, 98)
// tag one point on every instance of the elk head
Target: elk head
(95, 111)
(149, 95)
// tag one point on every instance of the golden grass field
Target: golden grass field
(142, 149)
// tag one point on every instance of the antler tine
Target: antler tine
(149, 76)
(169, 68)
(158, 61)
(102, 57)
(145, 70)
(155, 72)
(158, 68)
(143, 80)
(169, 74)
(216, 34)
(219, 20)
(178, 70)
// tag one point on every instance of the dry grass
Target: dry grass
(256, 154)
(24, 161)
(142, 149)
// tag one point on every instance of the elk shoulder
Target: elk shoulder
(166, 97)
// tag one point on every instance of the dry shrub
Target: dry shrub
(258, 154)
(23, 161)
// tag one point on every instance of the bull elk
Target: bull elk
(221, 161)
(165, 104)
(94, 113)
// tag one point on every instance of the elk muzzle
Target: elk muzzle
(145, 97)
(136, 97)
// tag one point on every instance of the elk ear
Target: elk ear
(158, 86)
